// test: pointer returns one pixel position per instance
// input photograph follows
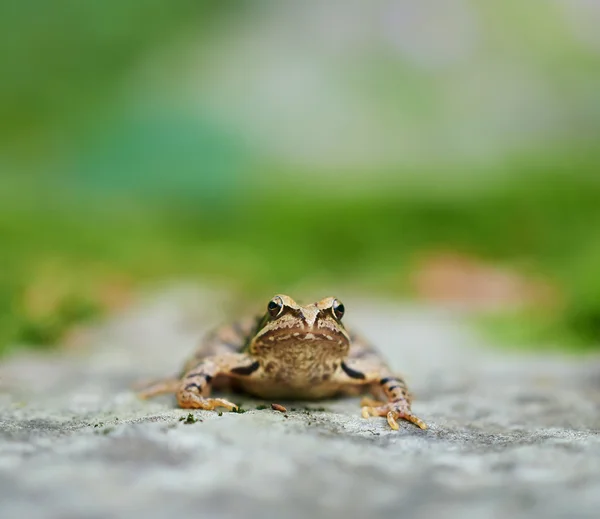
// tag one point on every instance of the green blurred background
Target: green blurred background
(441, 151)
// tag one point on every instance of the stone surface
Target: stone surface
(510, 435)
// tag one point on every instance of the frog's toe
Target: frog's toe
(194, 401)
(393, 412)
(213, 403)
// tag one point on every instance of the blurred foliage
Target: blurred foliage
(62, 59)
(80, 250)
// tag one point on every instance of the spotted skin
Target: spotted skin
(291, 352)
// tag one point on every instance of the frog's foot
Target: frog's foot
(393, 411)
(190, 400)
(150, 388)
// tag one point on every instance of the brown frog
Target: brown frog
(291, 352)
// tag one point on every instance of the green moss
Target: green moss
(189, 419)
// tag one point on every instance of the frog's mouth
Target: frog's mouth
(303, 335)
(301, 344)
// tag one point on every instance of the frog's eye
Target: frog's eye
(275, 306)
(338, 309)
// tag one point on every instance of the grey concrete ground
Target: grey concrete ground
(510, 436)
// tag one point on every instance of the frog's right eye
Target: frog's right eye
(275, 306)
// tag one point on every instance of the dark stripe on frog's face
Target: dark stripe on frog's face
(307, 314)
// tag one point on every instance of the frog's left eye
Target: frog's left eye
(275, 306)
(338, 309)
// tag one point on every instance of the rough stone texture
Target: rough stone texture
(510, 435)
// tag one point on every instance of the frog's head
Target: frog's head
(292, 332)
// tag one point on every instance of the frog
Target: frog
(290, 352)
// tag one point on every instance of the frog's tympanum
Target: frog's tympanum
(291, 352)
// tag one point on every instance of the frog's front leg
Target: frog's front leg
(195, 384)
(372, 372)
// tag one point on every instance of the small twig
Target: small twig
(278, 407)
